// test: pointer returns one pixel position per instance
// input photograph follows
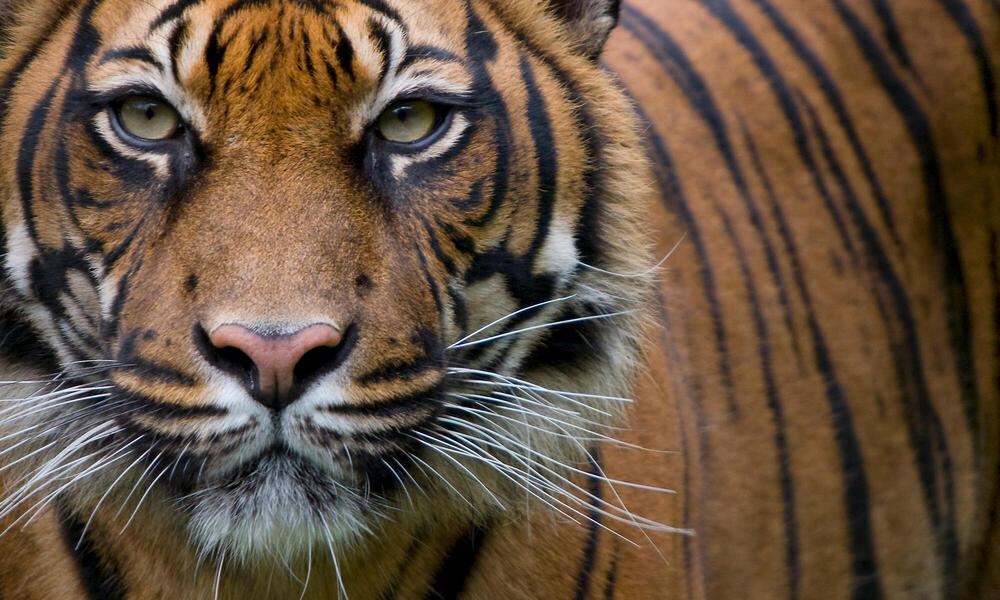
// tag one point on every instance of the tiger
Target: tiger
(483, 299)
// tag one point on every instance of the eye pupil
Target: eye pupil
(150, 112)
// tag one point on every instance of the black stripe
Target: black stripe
(172, 12)
(115, 254)
(84, 44)
(423, 52)
(959, 13)
(14, 75)
(439, 253)
(995, 276)
(176, 43)
(661, 45)
(215, 52)
(833, 95)
(307, 53)
(919, 130)
(110, 326)
(774, 405)
(132, 53)
(383, 45)
(215, 49)
(589, 557)
(345, 53)
(546, 157)
(481, 48)
(776, 81)
(100, 577)
(26, 159)
(132, 363)
(672, 193)
(136, 405)
(611, 580)
(453, 574)
(399, 370)
(674, 197)
(255, 46)
(409, 558)
(431, 283)
(404, 406)
(864, 564)
(382, 7)
(884, 13)
(926, 433)
(688, 499)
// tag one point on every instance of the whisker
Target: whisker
(111, 487)
(543, 486)
(309, 564)
(458, 343)
(521, 383)
(149, 488)
(218, 575)
(142, 476)
(486, 414)
(333, 557)
(551, 460)
(445, 480)
(640, 274)
(542, 326)
(464, 468)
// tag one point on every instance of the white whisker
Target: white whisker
(464, 468)
(542, 326)
(640, 274)
(458, 343)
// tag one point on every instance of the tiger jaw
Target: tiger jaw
(278, 505)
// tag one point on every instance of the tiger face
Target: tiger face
(304, 259)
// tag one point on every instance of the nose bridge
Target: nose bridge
(267, 243)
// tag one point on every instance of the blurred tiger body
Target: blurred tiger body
(817, 381)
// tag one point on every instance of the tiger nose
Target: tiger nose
(271, 364)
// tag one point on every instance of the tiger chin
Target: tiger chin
(308, 272)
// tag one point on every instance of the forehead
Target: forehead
(352, 53)
(127, 18)
(181, 33)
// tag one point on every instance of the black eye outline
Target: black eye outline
(114, 108)
(444, 115)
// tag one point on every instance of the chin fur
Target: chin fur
(279, 508)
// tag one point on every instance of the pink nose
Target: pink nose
(275, 356)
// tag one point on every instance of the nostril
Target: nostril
(236, 361)
(230, 359)
(323, 359)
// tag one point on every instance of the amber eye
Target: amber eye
(148, 118)
(407, 121)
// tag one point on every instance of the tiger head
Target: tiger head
(296, 259)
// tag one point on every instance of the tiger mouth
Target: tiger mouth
(277, 461)
(368, 462)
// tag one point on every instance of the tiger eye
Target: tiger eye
(408, 121)
(148, 118)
